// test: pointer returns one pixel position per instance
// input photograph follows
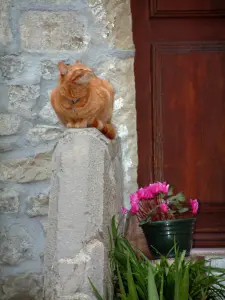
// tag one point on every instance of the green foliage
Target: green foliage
(136, 278)
(97, 295)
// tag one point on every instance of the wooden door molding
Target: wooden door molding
(183, 9)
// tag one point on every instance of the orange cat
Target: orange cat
(83, 100)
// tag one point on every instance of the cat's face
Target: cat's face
(77, 73)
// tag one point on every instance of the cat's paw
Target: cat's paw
(70, 125)
(81, 124)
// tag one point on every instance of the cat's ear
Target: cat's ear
(63, 69)
(86, 78)
(77, 61)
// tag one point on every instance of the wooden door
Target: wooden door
(180, 100)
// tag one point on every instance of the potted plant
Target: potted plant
(160, 215)
(135, 277)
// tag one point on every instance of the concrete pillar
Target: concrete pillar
(86, 191)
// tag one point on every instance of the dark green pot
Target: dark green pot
(161, 235)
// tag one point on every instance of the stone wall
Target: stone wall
(34, 36)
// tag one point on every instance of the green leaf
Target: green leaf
(161, 288)
(142, 222)
(140, 292)
(183, 210)
(171, 198)
(181, 259)
(172, 211)
(122, 290)
(184, 292)
(170, 192)
(152, 289)
(114, 227)
(95, 291)
(180, 197)
(130, 281)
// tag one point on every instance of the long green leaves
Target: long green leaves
(134, 277)
(132, 291)
(152, 289)
(181, 286)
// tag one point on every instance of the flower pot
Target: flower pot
(161, 235)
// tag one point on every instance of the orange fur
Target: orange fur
(83, 100)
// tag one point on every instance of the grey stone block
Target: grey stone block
(37, 206)
(50, 31)
(22, 99)
(9, 124)
(24, 286)
(9, 201)
(5, 30)
(86, 191)
(25, 170)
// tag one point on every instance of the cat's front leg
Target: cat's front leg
(77, 124)
(81, 124)
(70, 125)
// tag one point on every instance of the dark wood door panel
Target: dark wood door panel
(189, 127)
(186, 31)
(187, 8)
(188, 118)
(180, 100)
(210, 226)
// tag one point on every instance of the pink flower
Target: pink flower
(148, 193)
(134, 198)
(141, 194)
(124, 210)
(154, 188)
(164, 187)
(134, 208)
(159, 187)
(194, 206)
(164, 208)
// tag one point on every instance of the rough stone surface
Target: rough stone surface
(37, 206)
(22, 99)
(9, 124)
(49, 68)
(4, 99)
(89, 262)
(5, 30)
(27, 169)
(44, 225)
(9, 201)
(25, 286)
(52, 1)
(120, 73)
(42, 31)
(86, 187)
(6, 146)
(15, 245)
(48, 114)
(11, 66)
(80, 296)
(40, 134)
(115, 16)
